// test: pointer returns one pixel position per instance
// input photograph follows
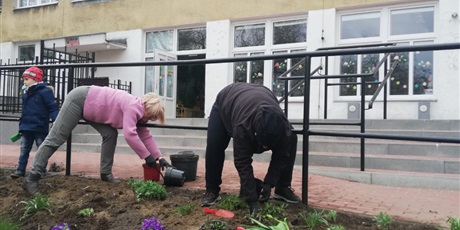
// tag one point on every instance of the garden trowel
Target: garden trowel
(219, 212)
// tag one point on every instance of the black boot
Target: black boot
(109, 178)
(30, 183)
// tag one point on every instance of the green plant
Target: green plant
(280, 225)
(7, 224)
(185, 209)
(313, 219)
(232, 203)
(331, 216)
(38, 203)
(383, 220)
(336, 227)
(214, 225)
(454, 223)
(86, 212)
(148, 190)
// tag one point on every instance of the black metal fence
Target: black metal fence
(305, 131)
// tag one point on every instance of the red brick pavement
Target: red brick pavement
(420, 205)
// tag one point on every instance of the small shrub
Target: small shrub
(383, 220)
(454, 223)
(7, 224)
(86, 212)
(279, 225)
(214, 225)
(336, 227)
(152, 224)
(38, 203)
(185, 209)
(148, 190)
(232, 203)
(331, 216)
(313, 219)
(61, 226)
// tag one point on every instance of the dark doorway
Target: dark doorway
(190, 88)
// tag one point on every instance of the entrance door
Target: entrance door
(165, 78)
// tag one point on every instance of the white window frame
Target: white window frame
(385, 37)
(268, 48)
(36, 52)
(39, 4)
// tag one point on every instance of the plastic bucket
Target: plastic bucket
(174, 177)
(151, 173)
(186, 161)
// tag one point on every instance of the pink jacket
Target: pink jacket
(121, 110)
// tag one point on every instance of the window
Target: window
(360, 25)
(32, 3)
(159, 40)
(192, 39)
(286, 36)
(412, 21)
(26, 52)
(251, 71)
(405, 26)
(250, 35)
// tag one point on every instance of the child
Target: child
(38, 105)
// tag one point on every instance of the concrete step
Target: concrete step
(349, 145)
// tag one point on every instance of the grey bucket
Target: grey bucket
(174, 177)
(186, 161)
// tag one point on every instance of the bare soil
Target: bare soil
(115, 207)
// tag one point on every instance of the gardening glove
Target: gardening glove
(254, 208)
(265, 193)
(164, 164)
(150, 161)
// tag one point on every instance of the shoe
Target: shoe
(109, 178)
(30, 183)
(210, 198)
(17, 174)
(254, 208)
(287, 195)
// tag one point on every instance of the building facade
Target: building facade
(424, 85)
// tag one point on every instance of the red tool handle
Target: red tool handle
(209, 211)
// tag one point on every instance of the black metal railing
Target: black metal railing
(305, 131)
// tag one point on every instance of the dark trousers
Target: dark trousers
(217, 141)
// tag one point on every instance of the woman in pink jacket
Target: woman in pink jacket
(106, 110)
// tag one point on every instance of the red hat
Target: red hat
(34, 73)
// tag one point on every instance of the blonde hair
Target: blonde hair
(153, 107)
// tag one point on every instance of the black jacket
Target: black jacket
(241, 106)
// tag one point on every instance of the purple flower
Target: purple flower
(61, 226)
(152, 224)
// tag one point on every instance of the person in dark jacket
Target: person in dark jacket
(38, 107)
(250, 114)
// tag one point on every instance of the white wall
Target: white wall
(217, 46)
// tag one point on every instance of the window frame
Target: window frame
(385, 37)
(17, 4)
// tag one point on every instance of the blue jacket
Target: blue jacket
(38, 106)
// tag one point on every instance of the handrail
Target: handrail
(357, 46)
(297, 85)
(382, 84)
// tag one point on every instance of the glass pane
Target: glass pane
(250, 35)
(348, 66)
(149, 83)
(162, 40)
(240, 70)
(170, 81)
(360, 25)
(290, 32)
(423, 72)
(257, 70)
(279, 67)
(412, 21)
(192, 39)
(27, 53)
(299, 71)
(368, 65)
(399, 79)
